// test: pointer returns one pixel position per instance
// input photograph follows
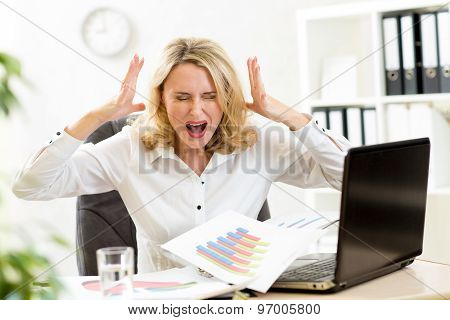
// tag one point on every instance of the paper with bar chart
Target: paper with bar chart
(300, 220)
(175, 283)
(323, 224)
(237, 249)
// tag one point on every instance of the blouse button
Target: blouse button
(323, 129)
(317, 122)
(203, 182)
(199, 207)
(58, 133)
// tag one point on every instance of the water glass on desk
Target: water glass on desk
(116, 269)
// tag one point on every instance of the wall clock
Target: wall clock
(106, 31)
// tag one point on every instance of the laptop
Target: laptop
(381, 223)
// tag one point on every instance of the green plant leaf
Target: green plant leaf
(60, 240)
(19, 269)
(12, 65)
(12, 68)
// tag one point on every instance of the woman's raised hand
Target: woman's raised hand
(118, 107)
(268, 106)
(262, 103)
(257, 87)
(122, 104)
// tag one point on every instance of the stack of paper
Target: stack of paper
(176, 283)
(240, 250)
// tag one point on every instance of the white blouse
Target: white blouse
(164, 197)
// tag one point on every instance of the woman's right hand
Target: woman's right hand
(122, 105)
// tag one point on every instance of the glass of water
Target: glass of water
(116, 269)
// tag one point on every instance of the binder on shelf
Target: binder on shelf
(321, 115)
(355, 126)
(337, 121)
(430, 56)
(369, 128)
(411, 53)
(392, 55)
(443, 22)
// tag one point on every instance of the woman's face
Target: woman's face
(192, 104)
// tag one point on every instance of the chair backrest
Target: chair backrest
(102, 220)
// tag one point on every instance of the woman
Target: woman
(191, 155)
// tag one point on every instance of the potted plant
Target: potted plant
(21, 269)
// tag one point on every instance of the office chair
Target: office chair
(100, 213)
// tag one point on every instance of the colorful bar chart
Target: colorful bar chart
(237, 251)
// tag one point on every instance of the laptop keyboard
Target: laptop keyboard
(317, 271)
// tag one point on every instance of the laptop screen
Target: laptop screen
(382, 206)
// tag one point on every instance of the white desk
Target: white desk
(420, 280)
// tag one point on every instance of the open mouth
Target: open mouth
(196, 129)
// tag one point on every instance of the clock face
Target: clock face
(106, 31)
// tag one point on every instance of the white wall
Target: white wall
(68, 79)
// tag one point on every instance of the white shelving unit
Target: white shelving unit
(356, 29)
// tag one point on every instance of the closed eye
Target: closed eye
(182, 98)
(210, 96)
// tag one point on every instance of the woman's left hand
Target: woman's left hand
(262, 103)
(267, 106)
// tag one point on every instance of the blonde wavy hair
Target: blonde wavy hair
(233, 133)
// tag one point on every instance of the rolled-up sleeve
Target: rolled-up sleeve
(317, 158)
(65, 167)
